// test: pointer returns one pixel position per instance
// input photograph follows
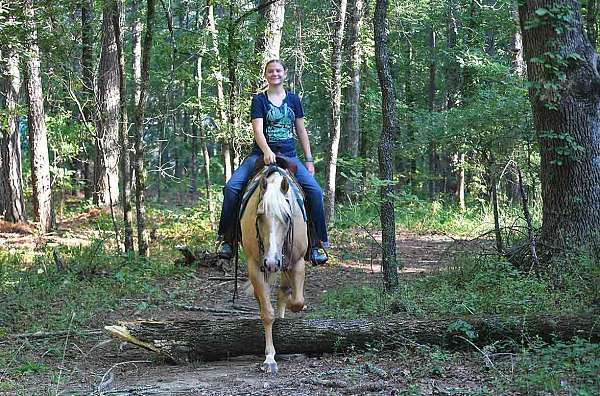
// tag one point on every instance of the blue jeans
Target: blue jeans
(232, 191)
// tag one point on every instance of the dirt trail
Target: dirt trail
(100, 365)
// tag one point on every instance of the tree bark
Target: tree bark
(190, 340)
(11, 178)
(518, 64)
(118, 23)
(106, 169)
(140, 174)
(433, 156)
(38, 140)
(136, 63)
(200, 130)
(87, 75)
(268, 36)
(337, 34)
(218, 75)
(389, 132)
(299, 55)
(567, 120)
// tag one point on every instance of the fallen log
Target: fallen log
(189, 340)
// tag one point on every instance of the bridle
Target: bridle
(289, 234)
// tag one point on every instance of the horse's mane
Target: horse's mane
(274, 200)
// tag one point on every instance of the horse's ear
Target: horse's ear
(284, 185)
(263, 183)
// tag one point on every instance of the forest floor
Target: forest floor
(93, 363)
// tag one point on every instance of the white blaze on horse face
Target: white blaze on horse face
(274, 244)
(275, 210)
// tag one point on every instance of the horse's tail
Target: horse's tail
(249, 289)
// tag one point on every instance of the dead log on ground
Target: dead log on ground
(181, 341)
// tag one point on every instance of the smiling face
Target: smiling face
(275, 73)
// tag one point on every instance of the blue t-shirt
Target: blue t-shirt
(278, 121)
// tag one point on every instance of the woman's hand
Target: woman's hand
(269, 157)
(310, 166)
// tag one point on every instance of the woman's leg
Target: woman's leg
(314, 200)
(231, 197)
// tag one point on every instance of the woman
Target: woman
(275, 114)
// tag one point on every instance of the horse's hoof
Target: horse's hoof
(270, 368)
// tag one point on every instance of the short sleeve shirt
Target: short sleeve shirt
(278, 121)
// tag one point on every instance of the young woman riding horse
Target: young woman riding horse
(276, 114)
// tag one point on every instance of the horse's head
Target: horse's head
(273, 221)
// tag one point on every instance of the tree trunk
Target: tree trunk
(518, 64)
(118, 23)
(353, 125)
(299, 55)
(106, 170)
(218, 75)
(11, 182)
(461, 182)
(87, 75)
(268, 36)
(566, 106)
(201, 132)
(136, 62)
(201, 339)
(38, 140)
(140, 178)
(433, 157)
(339, 18)
(389, 132)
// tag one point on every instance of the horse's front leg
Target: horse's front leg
(267, 314)
(296, 280)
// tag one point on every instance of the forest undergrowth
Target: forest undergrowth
(56, 288)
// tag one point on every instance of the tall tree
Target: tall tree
(140, 174)
(352, 123)
(87, 77)
(433, 155)
(565, 98)
(38, 140)
(106, 169)
(338, 8)
(218, 75)
(268, 35)
(385, 151)
(11, 179)
(199, 130)
(118, 23)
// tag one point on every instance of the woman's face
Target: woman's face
(275, 73)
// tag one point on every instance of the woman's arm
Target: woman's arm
(261, 142)
(305, 143)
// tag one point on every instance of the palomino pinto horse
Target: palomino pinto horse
(274, 239)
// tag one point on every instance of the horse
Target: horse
(274, 239)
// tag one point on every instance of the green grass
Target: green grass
(37, 296)
(474, 286)
(419, 215)
(571, 368)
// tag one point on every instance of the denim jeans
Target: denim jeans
(232, 191)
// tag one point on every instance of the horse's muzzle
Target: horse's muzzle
(271, 265)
